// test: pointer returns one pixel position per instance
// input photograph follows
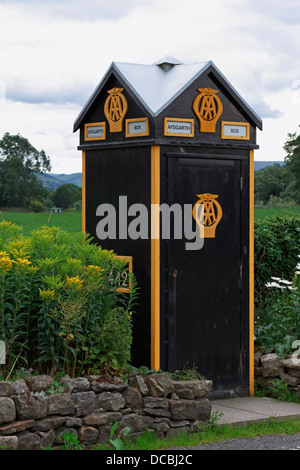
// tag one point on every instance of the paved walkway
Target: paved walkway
(239, 411)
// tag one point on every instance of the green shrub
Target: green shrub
(277, 245)
(61, 307)
(277, 284)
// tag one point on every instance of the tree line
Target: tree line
(20, 186)
(275, 185)
(21, 164)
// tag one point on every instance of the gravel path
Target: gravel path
(277, 442)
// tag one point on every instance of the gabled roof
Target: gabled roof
(157, 85)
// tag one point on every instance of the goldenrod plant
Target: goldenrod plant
(61, 307)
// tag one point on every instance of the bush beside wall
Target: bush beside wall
(277, 246)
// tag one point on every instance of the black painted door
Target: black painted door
(204, 286)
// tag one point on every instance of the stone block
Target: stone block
(29, 441)
(77, 384)
(88, 434)
(16, 426)
(139, 382)
(160, 385)
(271, 365)
(85, 403)
(18, 387)
(40, 383)
(7, 410)
(115, 384)
(110, 401)
(95, 419)
(50, 422)
(133, 397)
(5, 389)
(154, 402)
(193, 388)
(60, 404)
(199, 409)
(30, 406)
(9, 442)
(47, 438)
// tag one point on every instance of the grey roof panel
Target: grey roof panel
(157, 86)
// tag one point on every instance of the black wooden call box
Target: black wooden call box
(177, 138)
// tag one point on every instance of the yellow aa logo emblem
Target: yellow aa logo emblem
(115, 108)
(207, 213)
(208, 108)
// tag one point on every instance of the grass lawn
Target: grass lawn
(212, 433)
(69, 221)
(279, 212)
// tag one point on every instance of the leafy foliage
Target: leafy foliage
(276, 186)
(277, 284)
(292, 148)
(277, 245)
(66, 195)
(20, 163)
(60, 304)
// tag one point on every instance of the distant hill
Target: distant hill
(260, 165)
(54, 180)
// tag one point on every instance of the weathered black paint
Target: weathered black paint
(204, 295)
(206, 323)
(110, 174)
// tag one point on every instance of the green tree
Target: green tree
(66, 195)
(292, 159)
(20, 164)
(269, 181)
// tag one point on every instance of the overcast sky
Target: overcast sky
(54, 53)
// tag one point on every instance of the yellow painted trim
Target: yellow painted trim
(83, 191)
(94, 124)
(232, 137)
(251, 273)
(155, 257)
(137, 134)
(178, 134)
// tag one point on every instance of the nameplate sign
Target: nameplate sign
(95, 131)
(179, 127)
(137, 127)
(235, 130)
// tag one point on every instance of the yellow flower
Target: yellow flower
(94, 271)
(47, 294)
(19, 248)
(23, 262)
(5, 261)
(74, 282)
(92, 268)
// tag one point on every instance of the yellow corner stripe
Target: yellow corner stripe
(251, 273)
(155, 258)
(83, 192)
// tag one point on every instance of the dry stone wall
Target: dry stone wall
(270, 367)
(31, 418)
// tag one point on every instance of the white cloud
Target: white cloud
(69, 9)
(54, 53)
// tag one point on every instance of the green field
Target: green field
(279, 212)
(70, 221)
